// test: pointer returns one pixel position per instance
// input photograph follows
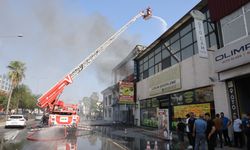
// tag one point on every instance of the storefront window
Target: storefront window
(149, 117)
(149, 112)
(155, 102)
(149, 102)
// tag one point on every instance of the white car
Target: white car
(16, 121)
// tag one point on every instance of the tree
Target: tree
(22, 94)
(16, 74)
(3, 101)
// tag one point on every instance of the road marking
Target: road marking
(11, 135)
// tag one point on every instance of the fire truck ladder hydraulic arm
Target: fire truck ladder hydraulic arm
(48, 99)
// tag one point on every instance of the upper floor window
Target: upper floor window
(110, 98)
(178, 46)
(236, 25)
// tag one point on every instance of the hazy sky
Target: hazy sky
(59, 34)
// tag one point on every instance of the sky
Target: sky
(59, 34)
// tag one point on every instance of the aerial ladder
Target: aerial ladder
(61, 114)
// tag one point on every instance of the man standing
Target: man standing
(247, 131)
(199, 130)
(225, 124)
(218, 127)
(180, 130)
(189, 134)
(191, 121)
(237, 131)
(210, 132)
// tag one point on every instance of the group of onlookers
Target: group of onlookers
(214, 131)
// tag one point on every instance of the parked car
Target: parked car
(16, 121)
(38, 117)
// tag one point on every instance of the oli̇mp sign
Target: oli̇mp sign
(232, 55)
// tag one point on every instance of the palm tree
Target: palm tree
(16, 74)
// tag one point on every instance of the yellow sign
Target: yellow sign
(126, 92)
(197, 109)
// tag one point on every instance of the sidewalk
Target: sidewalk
(2, 122)
(141, 132)
(155, 133)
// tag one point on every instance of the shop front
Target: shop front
(163, 111)
(233, 68)
(200, 100)
(239, 95)
(148, 114)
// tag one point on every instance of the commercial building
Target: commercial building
(119, 99)
(174, 77)
(108, 95)
(182, 71)
(232, 59)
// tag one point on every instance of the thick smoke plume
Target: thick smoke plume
(60, 37)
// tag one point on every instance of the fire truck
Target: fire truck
(61, 114)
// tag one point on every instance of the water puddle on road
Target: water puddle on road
(98, 138)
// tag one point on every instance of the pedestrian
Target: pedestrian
(225, 124)
(189, 134)
(199, 131)
(244, 121)
(180, 130)
(247, 131)
(191, 121)
(218, 127)
(210, 132)
(237, 128)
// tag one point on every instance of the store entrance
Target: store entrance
(243, 93)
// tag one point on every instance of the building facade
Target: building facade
(5, 83)
(232, 59)
(122, 93)
(107, 103)
(172, 78)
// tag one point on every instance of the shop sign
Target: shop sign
(200, 95)
(181, 110)
(232, 98)
(166, 81)
(126, 92)
(200, 34)
(204, 94)
(164, 103)
(232, 55)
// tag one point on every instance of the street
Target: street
(86, 137)
(90, 135)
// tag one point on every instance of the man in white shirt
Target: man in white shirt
(189, 134)
(237, 127)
